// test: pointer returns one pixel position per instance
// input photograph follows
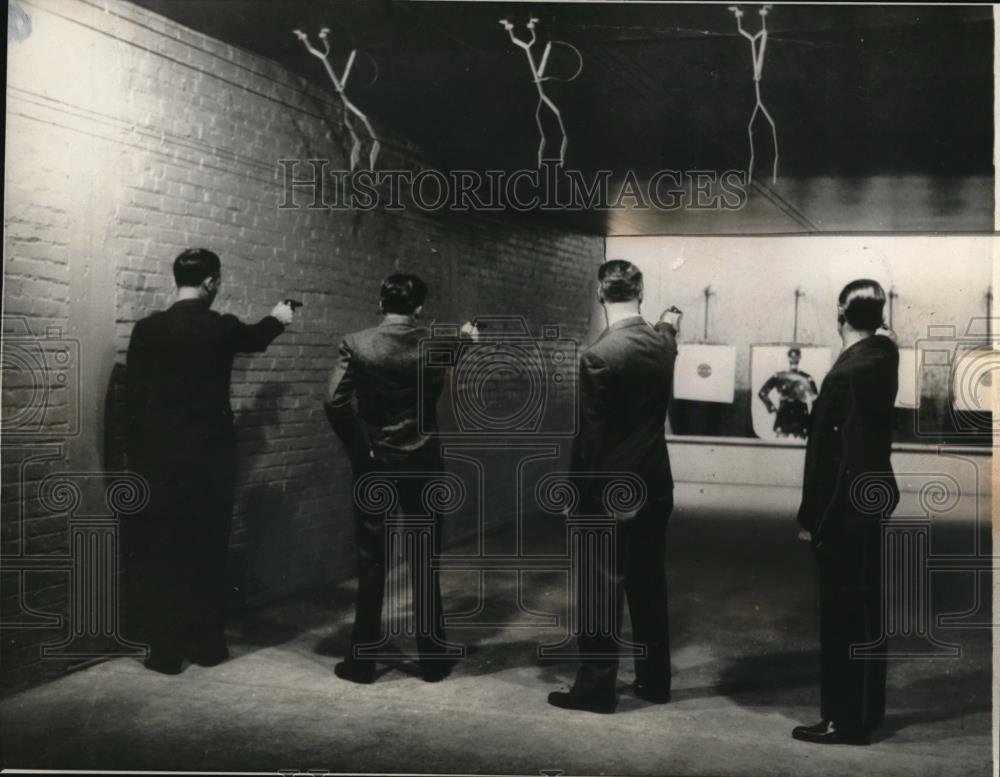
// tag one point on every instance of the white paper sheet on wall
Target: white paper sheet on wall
(908, 395)
(705, 373)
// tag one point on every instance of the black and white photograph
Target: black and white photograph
(785, 379)
(457, 387)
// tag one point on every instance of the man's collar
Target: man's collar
(622, 323)
(395, 319)
(863, 342)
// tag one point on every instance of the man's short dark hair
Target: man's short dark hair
(402, 293)
(621, 281)
(863, 301)
(795, 352)
(194, 265)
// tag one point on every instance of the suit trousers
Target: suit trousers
(184, 554)
(636, 572)
(408, 479)
(850, 582)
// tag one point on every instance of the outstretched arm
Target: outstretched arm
(254, 338)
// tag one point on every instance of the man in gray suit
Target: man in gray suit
(626, 378)
(374, 405)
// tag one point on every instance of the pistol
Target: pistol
(293, 303)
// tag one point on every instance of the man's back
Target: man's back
(396, 395)
(851, 429)
(179, 366)
(626, 379)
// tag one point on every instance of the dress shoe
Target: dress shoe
(826, 733)
(436, 670)
(163, 664)
(651, 693)
(355, 672)
(603, 705)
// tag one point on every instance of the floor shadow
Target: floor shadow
(936, 696)
(285, 620)
(764, 676)
(894, 724)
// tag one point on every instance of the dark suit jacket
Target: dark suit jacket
(626, 378)
(178, 373)
(375, 393)
(850, 436)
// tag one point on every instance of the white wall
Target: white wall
(939, 279)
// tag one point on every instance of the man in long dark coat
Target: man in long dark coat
(181, 440)
(848, 488)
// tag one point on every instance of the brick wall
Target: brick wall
(129, 139)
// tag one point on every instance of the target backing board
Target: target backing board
(705, 373)
(972, 378)
(783, 391)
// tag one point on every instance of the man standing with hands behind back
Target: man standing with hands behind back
(848, 466)
(379, 391)
(626, 379)
(181, 440)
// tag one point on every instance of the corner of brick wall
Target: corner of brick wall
(186, 155)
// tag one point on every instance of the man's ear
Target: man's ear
(211, 284)
(417, 311)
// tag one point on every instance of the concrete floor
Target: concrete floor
(745, 666)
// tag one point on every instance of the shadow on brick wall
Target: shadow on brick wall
(263, 553)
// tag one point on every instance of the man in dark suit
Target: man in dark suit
(626, 378)
(847, 489)
(181, 440)
(374, 405)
